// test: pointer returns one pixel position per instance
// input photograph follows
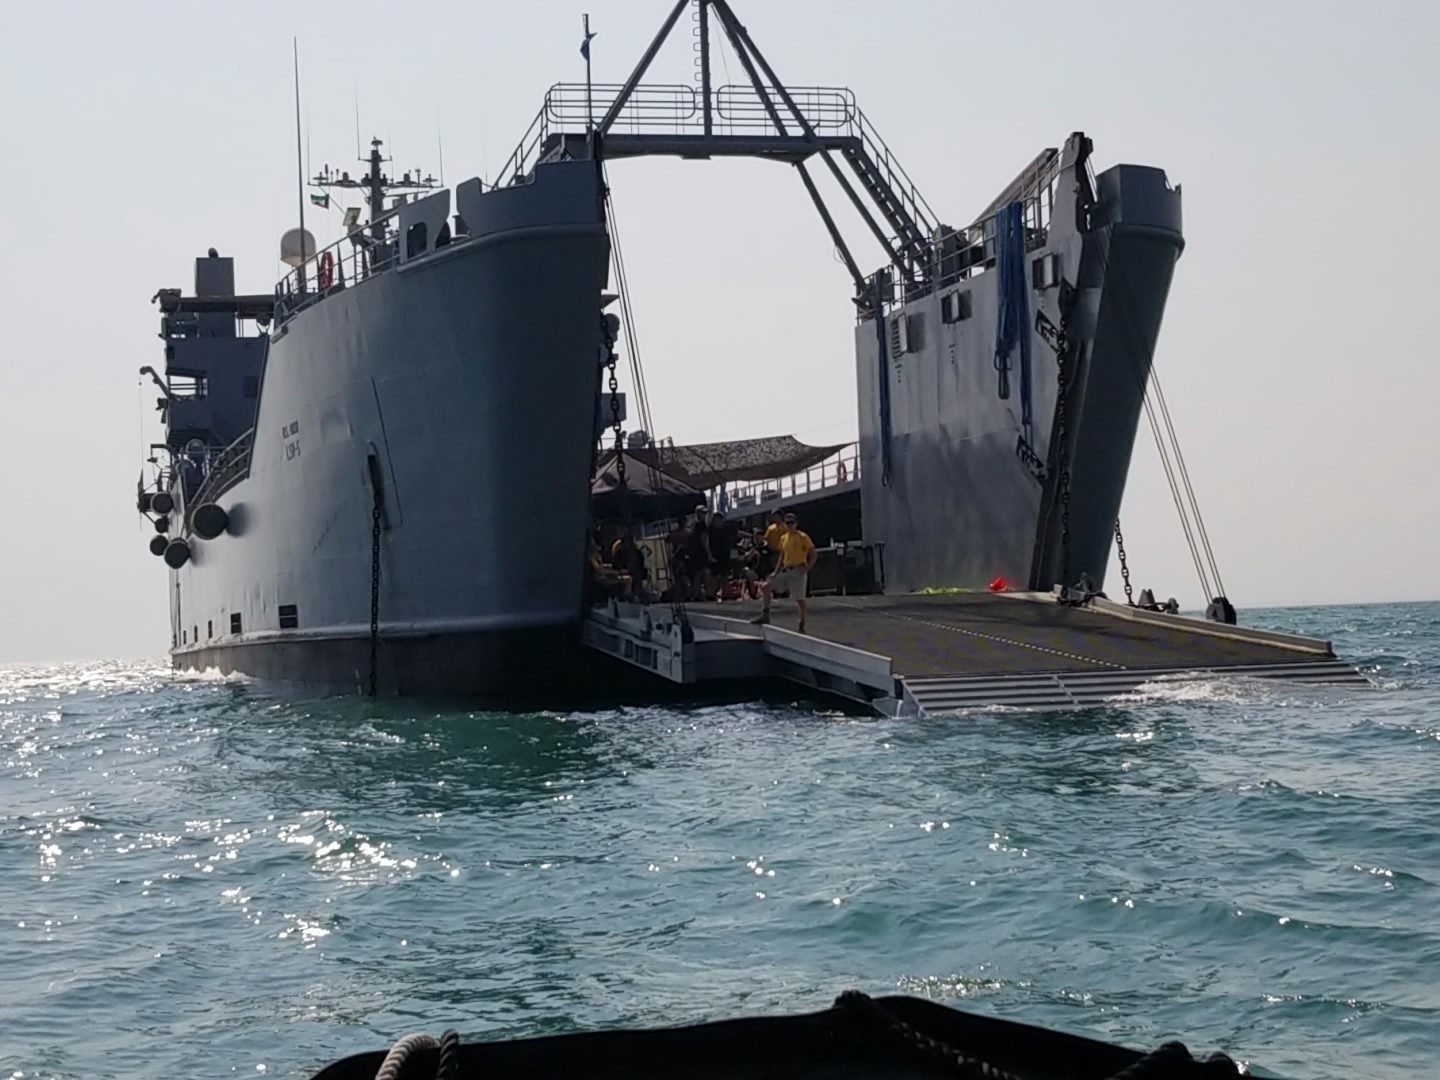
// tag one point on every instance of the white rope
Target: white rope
(400, 1053)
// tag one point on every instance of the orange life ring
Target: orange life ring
(841, 472)
(325, 276)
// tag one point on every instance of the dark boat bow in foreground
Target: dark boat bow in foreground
(859, 1037)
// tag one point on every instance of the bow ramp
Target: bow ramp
(919, 655)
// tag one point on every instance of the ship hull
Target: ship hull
(460, 389)
(957, 488)
(503, 662)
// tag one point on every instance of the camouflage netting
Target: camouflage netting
(707, 465)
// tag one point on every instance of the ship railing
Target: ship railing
(677, 111)
(338, 266)
(958, 255)
(894, 174)
(673, 109)
(841, 467)
(224, 468)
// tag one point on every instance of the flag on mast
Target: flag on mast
(321, 200)
(585, 45)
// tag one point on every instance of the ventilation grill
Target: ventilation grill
(1045, 272)
(955, 306)
(289, 616)
(235, 622)
(906, 334)
(899, 335)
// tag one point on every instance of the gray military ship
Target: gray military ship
(380, 476)
(394, 444)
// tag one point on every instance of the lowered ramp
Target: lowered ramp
(922, 655)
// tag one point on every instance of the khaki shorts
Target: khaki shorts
(791, 581)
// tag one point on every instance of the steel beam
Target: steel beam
(740, 38)
(641, 68)
(839, 240)
(705, 63)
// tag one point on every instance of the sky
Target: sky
(1298, 352)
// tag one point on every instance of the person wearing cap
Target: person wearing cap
(797, 558)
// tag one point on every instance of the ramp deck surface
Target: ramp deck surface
(923, 655)
(986, 634)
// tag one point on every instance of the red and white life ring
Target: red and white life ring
(325, 276)
(840, 471)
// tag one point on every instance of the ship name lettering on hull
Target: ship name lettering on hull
(291, 434)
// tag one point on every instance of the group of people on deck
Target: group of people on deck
(711, 559)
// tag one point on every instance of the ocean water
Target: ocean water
(197, 872)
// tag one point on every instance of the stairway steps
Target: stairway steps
(1085, 688)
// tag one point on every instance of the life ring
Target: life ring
(325, 276)
(840, 471)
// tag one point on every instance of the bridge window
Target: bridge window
(235, 622)
(187, 384)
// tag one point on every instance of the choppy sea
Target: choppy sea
(198, 878)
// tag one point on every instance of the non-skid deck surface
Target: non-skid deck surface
(984, 634)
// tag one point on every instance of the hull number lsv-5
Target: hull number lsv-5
(291, 434)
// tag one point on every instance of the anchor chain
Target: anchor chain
(1124, 565)
(1062, 453)
(376, 511)
(374, 593)
(614, 387)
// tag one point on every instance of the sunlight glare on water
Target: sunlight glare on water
(193, 868)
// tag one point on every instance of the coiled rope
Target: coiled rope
(447, 1068)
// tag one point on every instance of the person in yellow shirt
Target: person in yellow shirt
(770, 559)
(792, 577)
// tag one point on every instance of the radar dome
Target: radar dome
(296, 246)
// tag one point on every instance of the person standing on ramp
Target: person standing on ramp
(792, 574)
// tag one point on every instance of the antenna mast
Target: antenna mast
(376, 185)
(299, 168)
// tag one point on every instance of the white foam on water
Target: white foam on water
(1205, 689)
(210, 675)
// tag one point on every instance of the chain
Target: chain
(1124, 566)
(614, 386)
(374, 592)
(1062, 453)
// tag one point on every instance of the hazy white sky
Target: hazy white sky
(1298, 352)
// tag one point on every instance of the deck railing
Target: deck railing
(842, 467)
(224, 468)
(346, 262)
(677, 109)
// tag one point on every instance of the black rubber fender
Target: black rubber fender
(177, 553)
(209, 521)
